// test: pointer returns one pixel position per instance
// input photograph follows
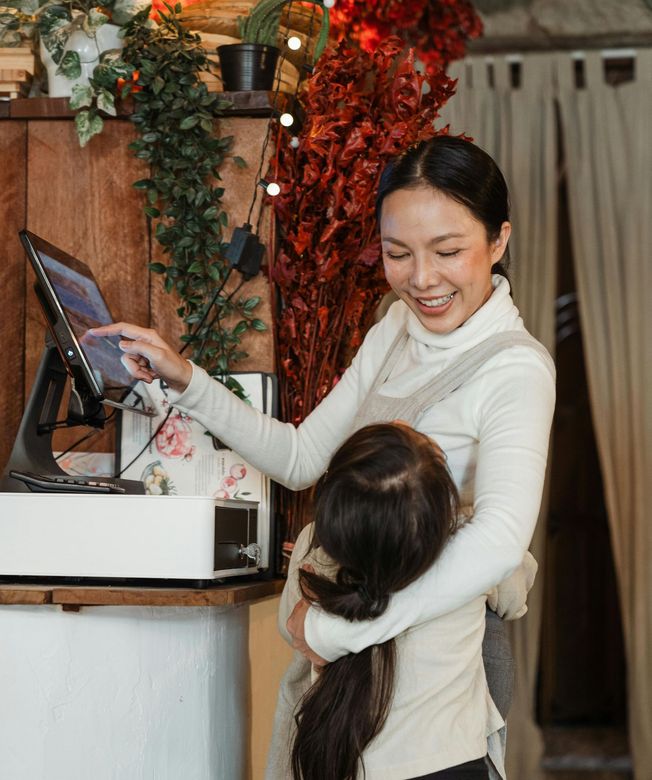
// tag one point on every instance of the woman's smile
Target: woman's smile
(436, 305)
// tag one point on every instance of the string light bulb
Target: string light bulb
(271, 187)
(294, 142)
(294, 43)
(286, 119)
(329, 3)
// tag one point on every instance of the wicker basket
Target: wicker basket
(219, 18)
(285, 70)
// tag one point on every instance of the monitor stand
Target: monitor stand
(32, 450)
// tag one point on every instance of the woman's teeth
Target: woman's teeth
(431, 303)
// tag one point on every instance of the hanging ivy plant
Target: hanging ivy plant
(175, 115)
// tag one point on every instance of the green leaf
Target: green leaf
(106, 102)
(142, 184)
(239, 162)
(250, 304)
(93, 20)
(88, 124)
(210, 213)
(195, 268)
(82, 96)
(258, 325)
(152, 212)
(147, 67)
(157, 268)
(70, 65)
(52, 18)
(189, 122)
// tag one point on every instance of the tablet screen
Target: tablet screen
(79, 298)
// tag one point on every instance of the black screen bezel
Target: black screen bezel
(61, 329)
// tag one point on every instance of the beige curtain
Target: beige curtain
(608, 143)
(516, 126)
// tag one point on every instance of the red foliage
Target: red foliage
(437, 29)
(361, 109)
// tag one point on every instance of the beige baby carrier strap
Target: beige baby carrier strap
(382, 408)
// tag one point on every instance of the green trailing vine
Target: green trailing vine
(175, 118)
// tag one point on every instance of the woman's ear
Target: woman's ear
(499, 245)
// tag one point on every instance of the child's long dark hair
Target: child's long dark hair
(383, 512)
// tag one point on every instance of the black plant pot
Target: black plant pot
(247, 66)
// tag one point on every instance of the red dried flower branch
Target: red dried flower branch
(437, 29)
(362, 109)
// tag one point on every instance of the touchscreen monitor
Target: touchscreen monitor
(73, 303)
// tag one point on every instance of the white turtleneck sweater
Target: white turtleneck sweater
(494, 431)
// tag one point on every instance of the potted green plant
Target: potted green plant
(72, 35)
(251, 64)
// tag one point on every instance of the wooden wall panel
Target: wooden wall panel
(82, 201)
(238, 185)
(13, 144)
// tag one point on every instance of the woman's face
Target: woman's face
(437, 256)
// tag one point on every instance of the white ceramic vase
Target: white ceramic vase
(89, 49)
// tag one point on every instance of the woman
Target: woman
(382, 515)
(453, 359)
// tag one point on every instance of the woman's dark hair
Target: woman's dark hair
(383, 512)
(459, 169)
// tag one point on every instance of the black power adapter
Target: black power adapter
(245, 252)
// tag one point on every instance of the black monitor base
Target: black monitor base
(32, 451)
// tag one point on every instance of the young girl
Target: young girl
(383, 512)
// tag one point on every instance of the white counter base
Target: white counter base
(123, 693)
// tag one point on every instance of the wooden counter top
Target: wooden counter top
(72, 598)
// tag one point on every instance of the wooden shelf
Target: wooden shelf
(75, 597)
(245, 104)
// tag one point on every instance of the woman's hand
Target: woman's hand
(147, 356)
(295, 627)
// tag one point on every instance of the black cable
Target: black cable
(213, 300)
(92, 432)
(215, 319)
(149, 441)
(169, 412)
(277, 89)
(198, 326)
(295, 96)
(88, 435)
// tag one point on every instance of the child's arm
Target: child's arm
(292, 592)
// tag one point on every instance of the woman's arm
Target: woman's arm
(514, 421)
(295, 457)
